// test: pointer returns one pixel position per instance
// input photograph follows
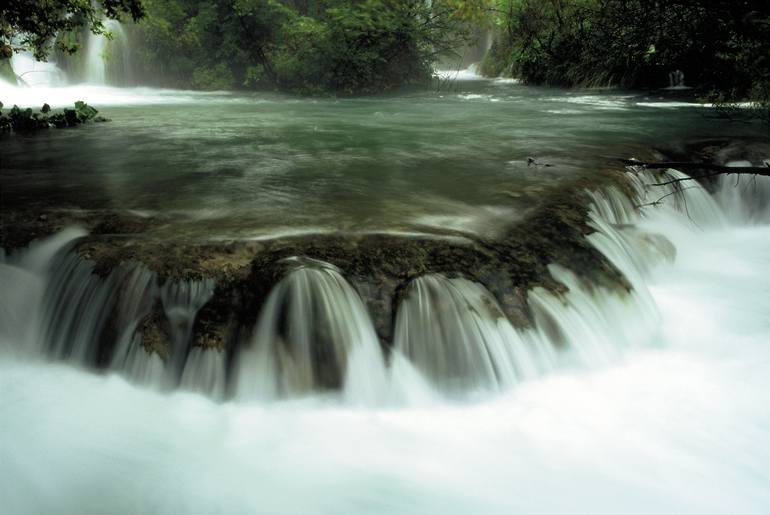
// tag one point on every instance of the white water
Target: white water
(454, 331)
(665, 409)
(35, 73)
(314, 332)
(98, 50)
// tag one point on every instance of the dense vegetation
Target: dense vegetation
(40, 26)
(26, 120)
(359, 46)
(722, 46)
(299, 45)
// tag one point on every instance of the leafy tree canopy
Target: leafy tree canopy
(722, 46)
(39, 25)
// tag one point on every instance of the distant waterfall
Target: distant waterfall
(107, 61)
(676, 80)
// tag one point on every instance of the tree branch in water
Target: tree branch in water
(690, 165)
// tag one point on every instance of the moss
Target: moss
(379, 266)
(155, 333)
(6, 71)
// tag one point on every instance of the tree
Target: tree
(39, 26)
(722, 46)
(320, 46)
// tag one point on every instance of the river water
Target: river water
(252, 166)
(667, 413)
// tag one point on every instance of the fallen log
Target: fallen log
(693, 166)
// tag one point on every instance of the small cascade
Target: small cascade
(139, 292)
(676, 80)
(745, 198)
(181, 303)
(24, 277)
(634, 252)
(672, 194)
(204, 372)
(590, 326)
(77, 306)
(455, 333)
(18, 319)
(95, 71)
(62, 309)
(313, 333)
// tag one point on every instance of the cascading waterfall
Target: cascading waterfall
(314, 332)
(676, 80)
(204, 372)
(745, 198)
(65, 311)
(103, 55)
(25, 275)
(95, 70)
(77, 306)
(139, 294)
(106, 61)
(454, 331)
(181, 303)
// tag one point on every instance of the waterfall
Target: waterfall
(139, 295)
(107, 61)
(77, 306)
(745, 198)
(676, 80)
(62, 309)
(313, 333)
(181, 303)
(455, 333)
(204, 372)
(32, 72)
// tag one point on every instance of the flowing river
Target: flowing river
(655, 400)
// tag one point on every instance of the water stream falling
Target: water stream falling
(103, 54)
(644, 377)
(106, 61)
(314, 333)
(454, 332)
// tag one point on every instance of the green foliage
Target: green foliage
(722, 46)
(26, 121)
(217, 77)
(34, 24)
(6, 71)
(309, 47)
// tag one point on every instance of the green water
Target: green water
(251, 166)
